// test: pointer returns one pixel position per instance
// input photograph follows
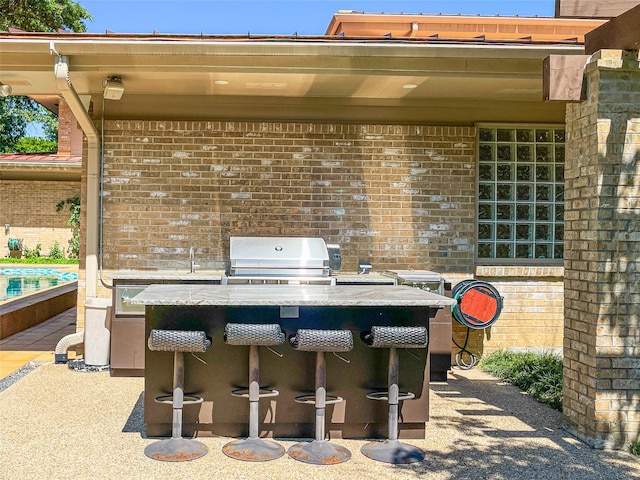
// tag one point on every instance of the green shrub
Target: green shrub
(634, 448)
(73, 204)
(538, 374)
(32, 253)
(56, 252)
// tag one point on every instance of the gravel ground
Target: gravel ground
(57, 423)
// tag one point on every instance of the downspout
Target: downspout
(68, 92)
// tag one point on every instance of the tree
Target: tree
(43, 15)
(17, 112)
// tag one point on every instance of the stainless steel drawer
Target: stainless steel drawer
(124, 293)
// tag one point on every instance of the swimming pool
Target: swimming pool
(17, 282)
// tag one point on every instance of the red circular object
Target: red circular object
(479, 306)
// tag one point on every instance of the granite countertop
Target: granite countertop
(216, 275)
(204, 275)
(289, 295)
(355, 278)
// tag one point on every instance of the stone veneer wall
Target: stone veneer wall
(29, 206)
(602, 254)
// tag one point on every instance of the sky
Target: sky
(282, 17)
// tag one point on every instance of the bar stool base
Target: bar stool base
(253, 450)
(176, 450)
(319, 452)
(392, 451)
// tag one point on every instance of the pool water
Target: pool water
(17, 282)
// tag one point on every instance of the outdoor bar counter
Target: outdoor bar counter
(223, 368)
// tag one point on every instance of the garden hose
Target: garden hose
(478, 306)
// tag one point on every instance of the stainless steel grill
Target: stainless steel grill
(279, 260)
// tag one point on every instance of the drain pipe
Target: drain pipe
(68, 92)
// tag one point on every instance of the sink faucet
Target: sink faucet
(192, 260)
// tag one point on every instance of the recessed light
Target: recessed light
(221, 82)
(409, 86)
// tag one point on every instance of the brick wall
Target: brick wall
(602, 326)
(532, 316)
(30, 208)
(398, 196)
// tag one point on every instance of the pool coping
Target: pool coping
(37, 307)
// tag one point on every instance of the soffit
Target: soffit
(175, 77)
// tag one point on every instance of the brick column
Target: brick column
(602, 254)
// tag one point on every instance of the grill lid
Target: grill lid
(278, 256)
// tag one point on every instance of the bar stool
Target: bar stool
(392, 450)
(320, 451)
(253, 448)
(177, 448)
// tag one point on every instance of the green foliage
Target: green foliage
(74, 222)
(43, 15)
(32, 253)
(35, 145)
(39, 260)
(12, 124)
(634, 448)
(16, 112)
(56, 252)
(539, 374)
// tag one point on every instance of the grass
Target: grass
(538, 374)
(634, 448)
(40, 260)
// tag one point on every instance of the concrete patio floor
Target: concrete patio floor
(36, 344)
(60, 423)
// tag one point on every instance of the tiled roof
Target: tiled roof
(375, 27)
(39, 158)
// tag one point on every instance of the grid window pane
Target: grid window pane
(524, 212)
(524, 173)
(487, 172)
(485, 192)
(485, 231)
(521, 193)
(505, 191)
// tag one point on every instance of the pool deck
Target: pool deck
(36, 344)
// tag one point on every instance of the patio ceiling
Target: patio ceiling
(289, 78)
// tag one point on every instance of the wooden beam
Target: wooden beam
(562, 77)
(593, 8)
(621, 33)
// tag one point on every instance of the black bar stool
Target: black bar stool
(253, 448)
(392, 450)
(176, 448)
(320, 451)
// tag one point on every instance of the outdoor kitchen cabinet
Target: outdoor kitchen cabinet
(128, 341)
(224, 367)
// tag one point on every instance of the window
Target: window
(521, 193)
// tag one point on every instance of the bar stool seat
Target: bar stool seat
(177, 448)
(392, 450)
(320, 451)
(253, 448)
